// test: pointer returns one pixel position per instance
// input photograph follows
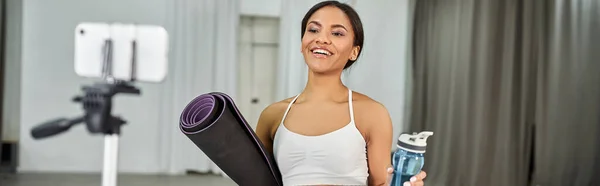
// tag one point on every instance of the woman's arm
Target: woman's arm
(378, 132)
(378, 128)
(267, 124)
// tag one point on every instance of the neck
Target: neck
(320, 87)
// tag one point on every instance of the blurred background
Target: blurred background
(511, 88)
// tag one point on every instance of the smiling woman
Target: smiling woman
(329, 134)
(344, 26)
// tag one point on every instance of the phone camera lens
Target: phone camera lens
(81, 31)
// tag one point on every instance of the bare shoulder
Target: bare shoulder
(365, 105)
(275, 109)
(370, 115)
(271, 115)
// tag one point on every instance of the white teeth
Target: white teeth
(321, 51)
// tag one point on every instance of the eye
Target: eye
(312, 30)
(338, 34)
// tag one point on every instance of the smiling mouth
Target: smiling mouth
(321, 53)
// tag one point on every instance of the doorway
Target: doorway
(258, 55)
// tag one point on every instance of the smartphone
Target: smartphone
(138, 52)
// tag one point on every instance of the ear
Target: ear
(354, 54)
(301, 44)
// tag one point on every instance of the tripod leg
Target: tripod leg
(111, 151)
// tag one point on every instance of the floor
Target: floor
(31, 179)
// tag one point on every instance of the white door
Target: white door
(257, 70)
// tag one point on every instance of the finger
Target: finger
(419, 176)
(419, 183)
(390, 170)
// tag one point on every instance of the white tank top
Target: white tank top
(335, 158)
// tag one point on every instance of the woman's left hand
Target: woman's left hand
(416, 180)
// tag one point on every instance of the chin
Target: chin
(321, 65)
(322, 69)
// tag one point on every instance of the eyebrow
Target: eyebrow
(334, 25)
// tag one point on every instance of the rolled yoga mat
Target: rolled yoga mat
(215, 125)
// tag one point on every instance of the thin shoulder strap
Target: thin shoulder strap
(350, 105)
(288, 108)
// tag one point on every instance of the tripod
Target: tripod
(97, 105)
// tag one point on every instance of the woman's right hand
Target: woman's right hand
(416, 180)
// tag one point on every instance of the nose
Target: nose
(323, 38)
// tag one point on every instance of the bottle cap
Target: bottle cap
(415, 142)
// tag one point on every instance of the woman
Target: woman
(328, 134)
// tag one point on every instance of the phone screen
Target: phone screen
(138, 52)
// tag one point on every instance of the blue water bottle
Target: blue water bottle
(408, 160)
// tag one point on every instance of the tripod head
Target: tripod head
(97, 105)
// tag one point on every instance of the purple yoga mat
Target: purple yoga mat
(215, 125)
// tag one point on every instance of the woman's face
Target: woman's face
(327, 43)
